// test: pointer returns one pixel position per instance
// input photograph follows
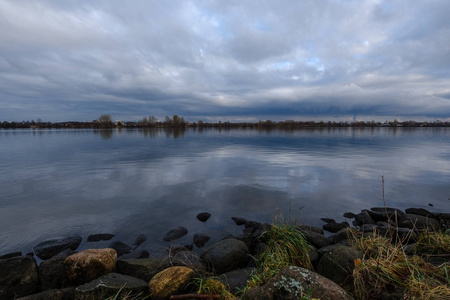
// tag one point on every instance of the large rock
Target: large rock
(337, 263)
(334, 226)
(363, 218)
(90, 264)
(18, 277)
(297, 283)
(204, 216)
(226, 255)
(175, 234)
(418, 222)
(236, 280)
(109, 286)
(316, 239)
(420, 212)
(200, 240)
(50, 248)
(52, 274)
(143, 269)
(169, 282)
(63, 294)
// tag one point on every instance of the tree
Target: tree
(105, 119)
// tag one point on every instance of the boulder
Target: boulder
(297, 283)
(311, 228)
(200, 240)
(236, 280)
(52, 274)
(226, 255)
(120, 247)
(100, 237)
(344, 234)
(175, 234)
(349, 215)
(63, 294)
(18, 277)
(239, 221)
(328, 220)
(337, 263)
(10, 255)
(109, 286)
(335, 227)
(187, 259)
(203, 217)
(392, 212)
(169, 282)
(50, 248)
(363, 218)
(420, 212)
(143, 269)
(368, 227)
(262, 228)
(418, 222)
(90, 264)
(313, 255)
(253, 225)
(316, 239)
(249, 239)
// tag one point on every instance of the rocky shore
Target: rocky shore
(122, 269)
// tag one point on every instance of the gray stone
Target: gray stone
(203, 217)
(63, 294)
(175, 234)
(100, 237)
(364, 218)
(316, 239)
(296, 283)
(368, 227)
(50, 248)
(239, 221)
(335, 227)
(19, 277)
(143, 269)
(311, 228)
(52, 274)
(349, 215)
(139, 240)
(236, 279)
(226, 255)
(200, 239)
(343, 234)
(109, 286)
(420, 212)
(187, 259)
(418, 222)
(120, 247)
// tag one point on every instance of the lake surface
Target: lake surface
(56, 183)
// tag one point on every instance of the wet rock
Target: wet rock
(314, 256)
(316, 239)
(262, 228)
(239, 221)
(344, 234)
(349, 215)
(335, 227)
(226, 255)
(175, 234)
(236, 279)
(328, 220)
(90, 264)
(187, 259)
(56, 294)
(253, 225)
(173, 250)
(143, 269)
(363, 218)
(296, 283)
(136, 254)
(392, 212)
(368, 227)
(120, 247)
(10, 255)
(139, 240)
(200, 240)
(337, 263)
(418, 222)
(100, 237)
(50, 248)
(109, 286)
(170, 281)
(204, 216)
(311, 228)
(249, 240)
(18, 277)
(52, 274)
(420, 212)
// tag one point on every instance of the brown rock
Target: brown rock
(90, 264)
(169, 282)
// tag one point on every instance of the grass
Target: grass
(213, 286)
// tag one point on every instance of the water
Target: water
(56, 183)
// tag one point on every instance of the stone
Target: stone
(10, 255)
(169, 282)
(50, 248)
(175, 234)
(311, 228)
(90, 264)
(349, 215)
(314, 256)
(200, 240)
(52, 274)
(143, 269)
(418, 222)
(18, 278)
(203, 217)
(328, 220)
(337, 264)
(226, 255)
(139, 240)
(253, 225)
(187, 259)
(368, 227)
(316, 239)
(391, 211)
(56, 294)
(236, 280)
(249, 239)
(100, 237)
(364, 218)
(120, 247)
(344, 234)
(110, 285)
(239, 221)
(420, 212)
(136, 254)
(297, 283)
(262, 228)
(335, 227)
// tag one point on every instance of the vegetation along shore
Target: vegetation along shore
(380, 253)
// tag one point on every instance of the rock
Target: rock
(175, 234)
(368, 227)
(90, 264)
(200, 240)
(313, 255)
(236, 279)
(420, 212)
(311, 228)
(337, 263)
(344, 234)
(52, 274)
(328, 220)
(364, 218)
(10, 255)
(226, 255)
(239, 221)
(139, 240)
(18, 277)
(136, 254)
(109, 286)
(316, 239)
(298, 283)
(262, 228)
(120, 247)
(349, 215)
(63, 294)
(169, 282)
(204, 216)
(143, 269)
(335, 227)
(418, 222)
(253, 225)
(391, 211)
(187, 259)
(174, 250)
(50, 248)
(249, 239)
(100, 237)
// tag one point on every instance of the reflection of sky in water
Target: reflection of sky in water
(56, 183)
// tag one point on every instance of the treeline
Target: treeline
(105, 121)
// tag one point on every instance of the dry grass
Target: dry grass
(213, 286)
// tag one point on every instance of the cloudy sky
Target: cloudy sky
(225, 60)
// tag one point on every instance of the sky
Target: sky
(225, 60)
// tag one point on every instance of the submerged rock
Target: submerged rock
(50, 248)
(175, 234)
(120, 247)
(100, 237)
(200, 240)
(204, 216)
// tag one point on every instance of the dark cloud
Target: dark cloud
(63, 60)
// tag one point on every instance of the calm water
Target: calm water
(56, 183)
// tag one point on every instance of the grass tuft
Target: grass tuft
(213, 286)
